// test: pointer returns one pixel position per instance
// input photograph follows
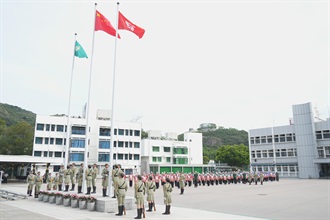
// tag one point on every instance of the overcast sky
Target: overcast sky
(239, 64)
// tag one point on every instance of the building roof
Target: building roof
(29, 159)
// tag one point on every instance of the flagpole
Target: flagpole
(88, 108)
(68, 127)
(112, 108)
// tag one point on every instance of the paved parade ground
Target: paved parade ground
(286, 199)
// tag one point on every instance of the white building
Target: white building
(50, 140)
(300, 149)
(166, 151)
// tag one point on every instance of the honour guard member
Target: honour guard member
(182, 182)
(55, 181)
(80, 176)
(30, 180)
(167, 188)
(151, 188)
(121, 189)
(139, 193)
(49, 181)
(67, 173)
(89, 173)
(261, 178)
(131, 180)
(60, 178)
(73, 176)
(105, 179)
(38, 181)
(95, 172)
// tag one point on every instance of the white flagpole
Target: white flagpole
(88, 108)
(274, 148)
(68, 126)
(112, 108)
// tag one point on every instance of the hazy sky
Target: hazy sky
(239, 64)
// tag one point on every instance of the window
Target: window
(120, 156)
(180, 150)
(114, 156)
(126, 132)
(60, 128)
(275, 138)
(58, 154)
(104, 144)
(253, 154)
(257, 139)
(282, 137)
(252, 140)
(136, 157)
(40, 127)
(104, 158)
(136, 144)
(327, 151)
(46, 140)
(168, 159)
(130, 156)
(78, 143)
(291, 168)
(279, 168)
(285, 168)
(38, 140)
(159, 159)
(115, 144)
(155, 149)
(326, 134)
(258, 154)
(167, 149)
(290, 152)
(53, 128)
(50, 154)
(56, 168)
(104, 132)
(126, 144)
(270, 153)
(154, 159)
(289, 137)
(136, 133)
(263, 139)
(266, 169)
(283, 153)
(180, 160)
(115, 132)
(277, 152)
(47, 127)
(51, 141)
(264, 153)
(120, 131)
(58, 141)
(45, 154)
(76, 156)
(78, 130)
(269, 139)
(120, 143)
(126, 156)
(259, 168)
(130, 132)
(37, 153)
(130, 144)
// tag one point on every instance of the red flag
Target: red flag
(103, 24)
(125, 24)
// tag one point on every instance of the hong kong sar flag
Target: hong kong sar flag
(125, 24)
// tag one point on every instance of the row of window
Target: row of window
(325, 134)
(159, 159)
(50, 141)
(277, 138)
(279, 168)
(48, 154)
(105, 157)
(157, 149)
(291, 152)
(323, 151)
(125, 132)
(49, 127)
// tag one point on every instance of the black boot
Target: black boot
(60, 187)
(66, 188)
(119, 211)
(79, 189)
(94, 189)
(150, 207)
(104, 192)
(72, 187)
(88, 191)
(182, 191)
(166, 209)
(114, 194)
(30, 192)
(122, 210)
(138, 214)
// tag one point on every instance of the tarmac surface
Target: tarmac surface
(287, 199)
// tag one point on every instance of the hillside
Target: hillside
(14, 114)
(224, 136)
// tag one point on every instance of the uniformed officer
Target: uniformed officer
(60, 178)
(67, 173)
(182, 183)
(55, 181)
(89, 173)
(195, 179)
(38, 181)
(121, 189)
(250, 178)
(255, 177)
(139, 193)
(261, 178)
(105, 179)
(80, 176)
(167, 188)
(95, 172)
(151, 188)
(73, 174)
(114, 174)
(49, 181)
(31, 181)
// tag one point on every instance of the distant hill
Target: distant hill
(224, 136)
(13, 114)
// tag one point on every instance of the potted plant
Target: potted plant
(82, 202)
(45, 197)
(91, 203)
(52, 198)
(40, 195)
(59, 198)
(66, 199)
(74, 200)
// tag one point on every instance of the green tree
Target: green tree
(206, 159)
(233, 155)
(17, 139)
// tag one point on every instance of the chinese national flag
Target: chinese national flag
(103, 24)
(125, 24)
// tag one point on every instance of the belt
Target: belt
(168, 191)
(140, 191)
(88, 175)
(68, 174)
(121, 188)
(115, 175)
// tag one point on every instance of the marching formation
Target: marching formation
(145, 184)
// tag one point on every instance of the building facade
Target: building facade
(165, 153)
(300, 149)
(51, 136)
